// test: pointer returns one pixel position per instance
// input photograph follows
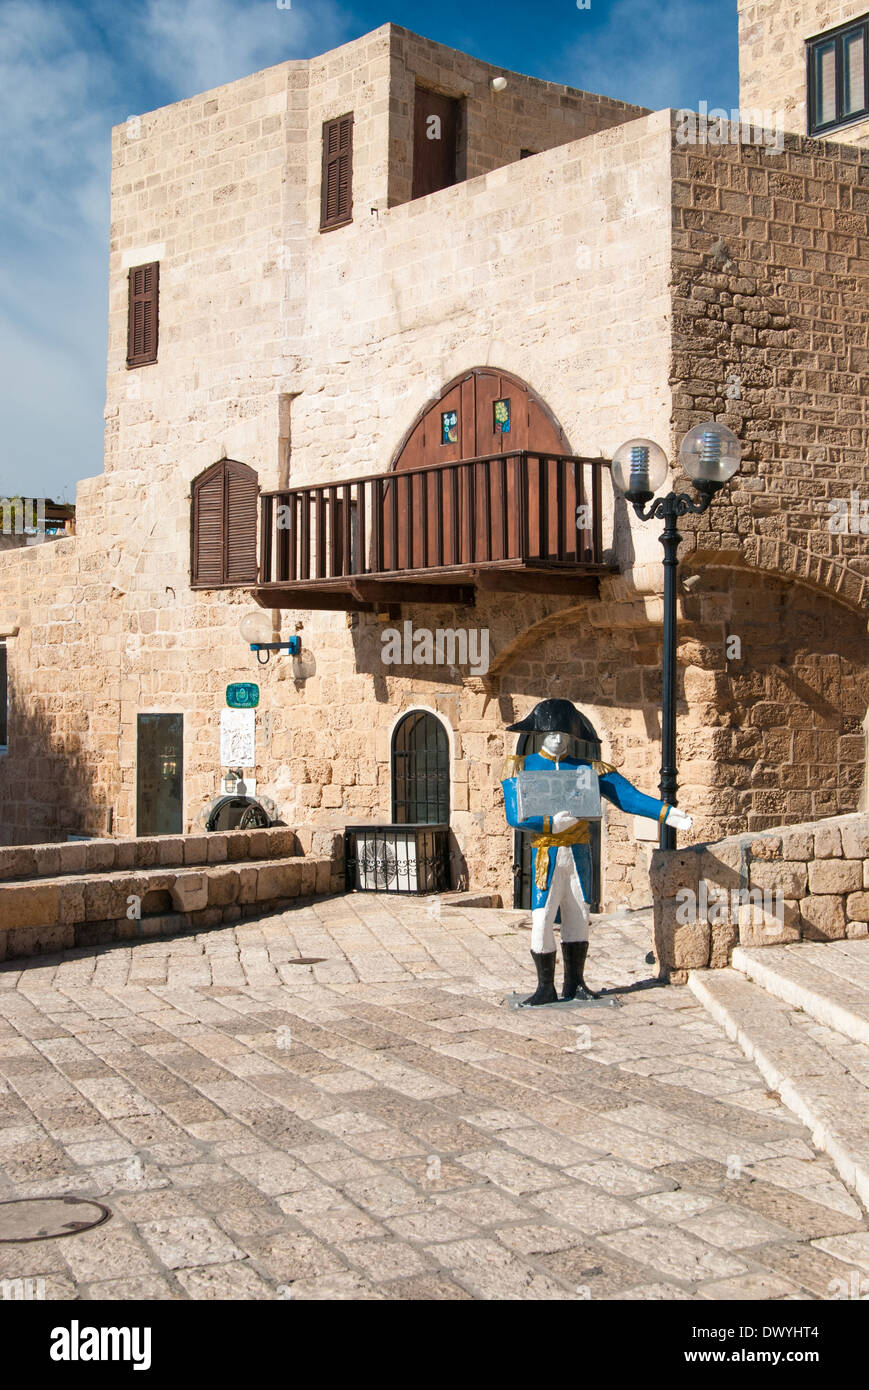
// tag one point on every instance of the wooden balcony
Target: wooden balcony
(435, 534)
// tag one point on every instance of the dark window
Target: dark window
(436, 121)
(336, 195)
(4, 695)
(224, 526)
(159, 774)
(838, 77)
(142, 314)
(420, 771)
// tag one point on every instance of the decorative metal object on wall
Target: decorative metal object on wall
(242, 695)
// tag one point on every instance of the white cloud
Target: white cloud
(68, 72)
(670, 53)
(198, 44)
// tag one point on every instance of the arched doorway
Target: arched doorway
(420, 770)
(589, 747)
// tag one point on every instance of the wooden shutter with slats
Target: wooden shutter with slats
(241, 493)
(336, 199)
(143, 314)
(224, 526)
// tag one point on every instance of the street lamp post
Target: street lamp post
(710, 455)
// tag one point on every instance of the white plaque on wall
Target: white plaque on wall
(237, 738)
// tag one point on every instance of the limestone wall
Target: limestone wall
(771, 335)
(309, 355)
(809, 882)
(772, 56)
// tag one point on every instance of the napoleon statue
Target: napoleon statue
(560, 852)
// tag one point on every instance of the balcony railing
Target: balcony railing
(519, 511)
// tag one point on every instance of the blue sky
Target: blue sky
(70, 71)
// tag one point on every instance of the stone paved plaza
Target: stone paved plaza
(337, 1102)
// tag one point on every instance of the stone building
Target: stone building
(335, 273)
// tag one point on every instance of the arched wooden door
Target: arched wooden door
(481, 413)
(469, 514)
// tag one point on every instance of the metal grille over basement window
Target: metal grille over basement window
(838, 77)
(336, 197)
(142, 316)
(420, 771)
(224, 526)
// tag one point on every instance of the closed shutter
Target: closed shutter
(208, 527)
(240, 523)
(336, 200)
(143, 314)
(224, 526)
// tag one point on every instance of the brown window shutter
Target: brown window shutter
(241, 494)
(208, 528)
(142, 314)
(336, 200)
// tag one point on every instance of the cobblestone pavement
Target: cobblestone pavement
(379, 1125)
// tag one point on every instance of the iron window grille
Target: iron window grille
(420, 770)
(397, 858)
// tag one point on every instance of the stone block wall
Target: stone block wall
(806, 882)
(56, 896)
(498, 126)
(772, 57)
(629, 280)
(771, 335)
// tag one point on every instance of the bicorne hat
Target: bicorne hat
(552, 717)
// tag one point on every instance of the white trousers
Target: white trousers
(565, 892)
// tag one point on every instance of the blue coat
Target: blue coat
(613, 786)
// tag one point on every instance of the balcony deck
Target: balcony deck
(516, 522)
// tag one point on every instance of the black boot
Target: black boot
(574, 953)
(546, 993)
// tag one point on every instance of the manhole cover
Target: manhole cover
(46, 1218)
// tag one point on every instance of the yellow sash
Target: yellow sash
(576, 835)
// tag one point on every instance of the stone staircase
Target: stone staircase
(801, 1013)
(82, 893)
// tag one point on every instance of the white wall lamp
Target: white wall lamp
(499, 84)
(256, 629)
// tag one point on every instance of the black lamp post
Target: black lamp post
(710, 455)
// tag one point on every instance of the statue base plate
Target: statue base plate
(609, 1001)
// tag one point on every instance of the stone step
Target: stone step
(103, 856)
(45, 914)
(824, 1093)
(827, 980)
(462, 898)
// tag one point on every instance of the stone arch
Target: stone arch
(788, 561)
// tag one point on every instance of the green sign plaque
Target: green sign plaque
(242, 695)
